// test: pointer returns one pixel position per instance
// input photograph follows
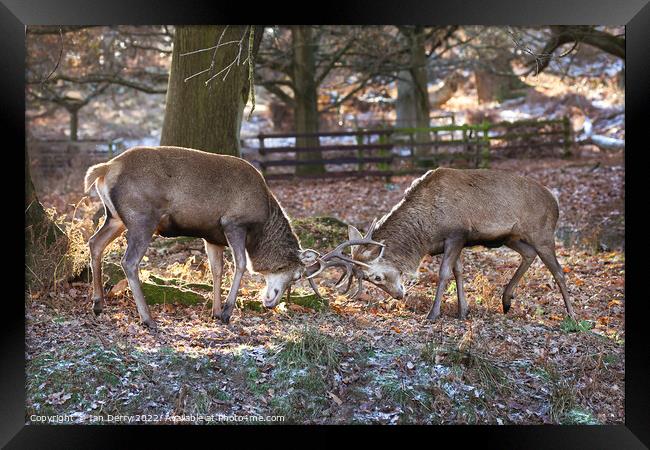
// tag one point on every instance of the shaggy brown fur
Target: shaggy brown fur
(177, 191)
(448, 209)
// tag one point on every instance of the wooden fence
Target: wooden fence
(377, 152)
(396, 151)
(53, 157)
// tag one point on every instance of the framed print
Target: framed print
(411, 215)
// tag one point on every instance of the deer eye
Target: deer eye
(377, 278)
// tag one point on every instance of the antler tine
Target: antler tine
(371, 229)
(336, 257)
(347, 274)
(312, 283)
(359, 288)
(343, 261)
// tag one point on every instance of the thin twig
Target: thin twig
(58, 61)
(539, 58)
(208, 48)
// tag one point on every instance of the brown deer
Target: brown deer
(176, 191)
(446, 210)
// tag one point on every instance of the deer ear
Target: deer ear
(373, 253)
(308, 257)
(353, 233)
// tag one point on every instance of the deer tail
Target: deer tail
(95, 172)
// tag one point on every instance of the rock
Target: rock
(320, 232)
(159, 294)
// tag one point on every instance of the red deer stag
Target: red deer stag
(446, 210)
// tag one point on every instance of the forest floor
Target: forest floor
(368, 360)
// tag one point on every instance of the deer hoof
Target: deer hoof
(150, 323)
(97, 307)
(432, 317)
(216, 314)
(506, 301)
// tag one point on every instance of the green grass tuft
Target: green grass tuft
(311, 346)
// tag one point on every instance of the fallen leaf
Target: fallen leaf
(119, 288)
(335, 398)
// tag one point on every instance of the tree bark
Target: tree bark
(495, 80)
(45, 242)
(587, 34)
(420, 80)
(74, 123)
(413, 107)
(207, 117)
(405, 105)
(305, 95)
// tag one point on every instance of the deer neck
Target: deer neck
(273, 244)
(406, 240)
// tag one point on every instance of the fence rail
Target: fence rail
(378, 152)
(391, 151)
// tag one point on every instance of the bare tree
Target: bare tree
(560, 36)
(69, 67)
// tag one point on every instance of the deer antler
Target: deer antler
(336, 257)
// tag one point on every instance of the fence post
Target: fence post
(485, 153)
(465, 144)
(567, 136)
(260, 137)
(359, 152)
(435, 143)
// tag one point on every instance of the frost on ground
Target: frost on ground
(368, 360)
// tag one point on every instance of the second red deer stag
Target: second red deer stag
(446, 210)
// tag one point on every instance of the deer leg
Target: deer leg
(236, 237)
(547, 255)
(111, 229)
(460, 290)
(451, 252)
(138, 239)
(215, 258)
(528, 255)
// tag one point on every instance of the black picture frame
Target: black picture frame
(16, 14)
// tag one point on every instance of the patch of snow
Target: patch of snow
(607, 142)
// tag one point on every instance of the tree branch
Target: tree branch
(111, 79)
(274, 89)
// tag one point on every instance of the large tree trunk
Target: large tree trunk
(412, 89)
(74, 123)
(45, 242)
(420, 80)
(405, 105)
(305, 95)
(495, 81)
(207, 117)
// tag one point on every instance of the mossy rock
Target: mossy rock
(251, 305)
(113, 272)
(158, 294)
(199, 287)
(305, 300)
(309, 301)
(320, 232)
(176, 282)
